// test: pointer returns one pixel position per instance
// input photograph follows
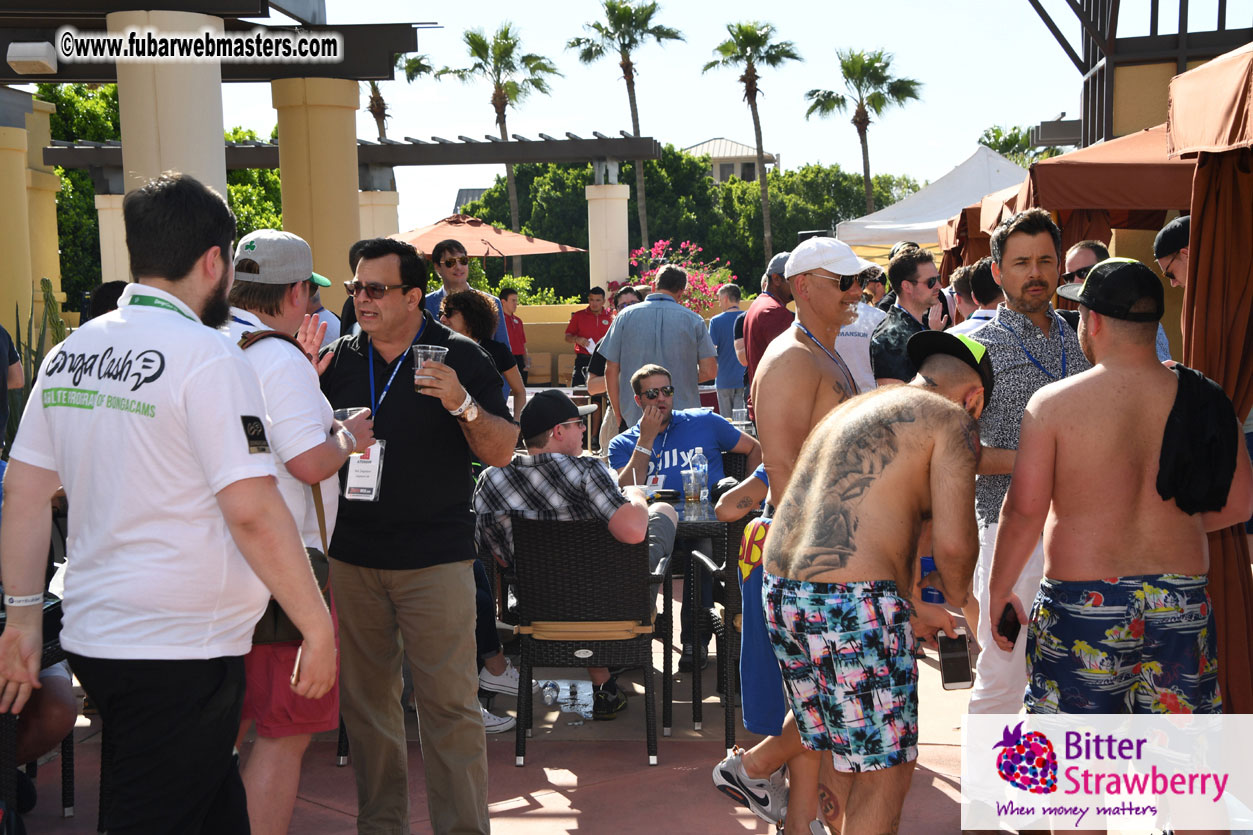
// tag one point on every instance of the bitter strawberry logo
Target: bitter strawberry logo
(1028, 761)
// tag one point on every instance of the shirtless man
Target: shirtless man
(840, 571)
(1124, 532)
(799, 380)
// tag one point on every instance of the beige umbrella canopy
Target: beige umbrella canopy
(479, 238)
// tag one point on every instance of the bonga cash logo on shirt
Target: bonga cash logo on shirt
(1027, 761)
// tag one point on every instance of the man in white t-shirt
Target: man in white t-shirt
(155, 425)
(273, 280)
(853, 344)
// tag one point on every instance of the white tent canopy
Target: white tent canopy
(917, 216)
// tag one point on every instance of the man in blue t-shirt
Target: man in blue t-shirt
(730, 379)
(660, 446)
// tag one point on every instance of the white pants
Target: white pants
(1000, 676)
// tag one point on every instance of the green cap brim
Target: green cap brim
(320, 280)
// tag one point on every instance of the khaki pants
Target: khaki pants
(430, 611)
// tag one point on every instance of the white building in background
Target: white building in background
(730, 159)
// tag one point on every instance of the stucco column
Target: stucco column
(171, 113)
(115, 261)
(379, 213)
(15, 277)
(607, 251)
(42, 185)
(317, 157)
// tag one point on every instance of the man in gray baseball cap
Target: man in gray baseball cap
(767, 316)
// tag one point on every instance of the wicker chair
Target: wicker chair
(584, 600)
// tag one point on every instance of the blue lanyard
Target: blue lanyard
(906, 312)
(244, 322)
(375, 404)
(1061, 339)
(834, 358)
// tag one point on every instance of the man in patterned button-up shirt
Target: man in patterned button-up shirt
(1030, 347)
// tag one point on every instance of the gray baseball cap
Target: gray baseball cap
(777, 263)
(283, 258)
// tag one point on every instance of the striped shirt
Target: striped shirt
(550, 487)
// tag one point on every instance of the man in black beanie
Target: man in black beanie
(1170, 248)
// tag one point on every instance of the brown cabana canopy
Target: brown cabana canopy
(965, 236)
(1211, 116)
(479, 238)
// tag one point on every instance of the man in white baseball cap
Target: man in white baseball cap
(800, 379)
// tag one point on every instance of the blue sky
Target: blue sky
(981, 62)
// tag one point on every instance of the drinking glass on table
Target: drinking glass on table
(422, 354)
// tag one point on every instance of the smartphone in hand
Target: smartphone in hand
(955, 671)
(1009, 625)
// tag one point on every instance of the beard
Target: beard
(1023, 305)
(217, 308)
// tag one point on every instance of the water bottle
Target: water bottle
(700, 466)
(929, 594)
(550, 692)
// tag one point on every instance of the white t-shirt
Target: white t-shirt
(300, 419)
(853, 344)
(145, 414)
(977, 320)
(332, 326)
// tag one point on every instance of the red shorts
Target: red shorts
(270, 701)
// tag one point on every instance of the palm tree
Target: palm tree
(626, 28)
(869, 81)
(413, 67)
(750, 46)
(513, 76)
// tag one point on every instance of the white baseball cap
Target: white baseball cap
(281, 258)
(830, 254)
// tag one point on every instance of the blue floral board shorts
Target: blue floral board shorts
(847, 654)
(1144, 644)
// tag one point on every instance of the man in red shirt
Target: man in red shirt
(767, 317)
(586, 329)
(517, 333)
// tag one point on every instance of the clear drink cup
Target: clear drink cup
(422, 354)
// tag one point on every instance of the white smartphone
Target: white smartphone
(955, 670)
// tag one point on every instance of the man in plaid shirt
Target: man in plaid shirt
(553, 481)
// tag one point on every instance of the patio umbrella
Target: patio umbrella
(479, 238)
(1211, 118)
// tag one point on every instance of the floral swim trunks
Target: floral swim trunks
(847, 654)
(1142, 644)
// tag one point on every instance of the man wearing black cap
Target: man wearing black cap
(555, 482)
(840, 565)
(1123, 607)
(1170, 248)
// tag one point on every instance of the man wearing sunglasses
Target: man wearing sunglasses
(1170, 248)
(401, 565)
(916, 281)
(452, 265)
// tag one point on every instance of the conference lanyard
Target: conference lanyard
(153, 301)
(1031, 356)
(376, 404)
(834, 358)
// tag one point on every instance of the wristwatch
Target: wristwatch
(470, 414)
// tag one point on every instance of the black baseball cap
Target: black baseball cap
(1172, 238)
(1114, 286)
(545, 410)
(971, 351)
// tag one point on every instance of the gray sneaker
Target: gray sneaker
(767, 798)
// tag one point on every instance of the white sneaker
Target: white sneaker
(506, 682)
(767, 798)
(494, 724)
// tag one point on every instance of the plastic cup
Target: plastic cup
(691, 487)
(739, 415)
(422, 354)
(342, 415)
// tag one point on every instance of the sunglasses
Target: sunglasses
(846, 281)
(576, 422)
(449, 263)
(931, 282)
(373, 291)
(653, 394)
(1077, 275)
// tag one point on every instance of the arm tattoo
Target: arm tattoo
(744, 503)
(970, 434)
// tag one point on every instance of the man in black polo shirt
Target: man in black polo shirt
(917, 284)
(401, 567)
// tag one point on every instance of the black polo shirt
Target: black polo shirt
(888, 357)
(423, 516)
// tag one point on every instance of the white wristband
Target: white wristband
(352, 439)
(642, 448)
(24, 600)
(465, 404)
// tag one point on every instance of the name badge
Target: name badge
(365, 474)
(655, 482)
